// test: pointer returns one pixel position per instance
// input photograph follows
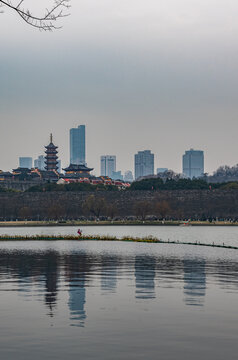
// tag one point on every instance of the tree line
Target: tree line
(180, 205)
(179, 184)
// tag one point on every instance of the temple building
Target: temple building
(51, 158)
(77, 171)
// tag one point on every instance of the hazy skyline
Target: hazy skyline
(157, 75)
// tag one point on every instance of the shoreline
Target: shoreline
(150, 240)
(114, 223)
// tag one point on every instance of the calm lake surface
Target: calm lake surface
(113, 300)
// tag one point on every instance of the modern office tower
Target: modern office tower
(51, 158)
(77, 145)
(108, 165)
(193, 163)
(161, 170)
(25, 162)
(39, 163)
(144, 163)
(117, 175)
(128, 177)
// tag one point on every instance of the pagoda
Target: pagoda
(51, 158)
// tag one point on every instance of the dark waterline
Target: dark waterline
(117, 301)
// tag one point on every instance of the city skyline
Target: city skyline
(181, 170)
(165, 81)
(108, 162)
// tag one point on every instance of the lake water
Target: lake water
(203, 234)
(113, 300)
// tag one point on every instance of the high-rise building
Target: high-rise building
(144, 163)
(193, 163)
(117, 175)
(39, 163)
(128, 177)
(25, 162)
(77, 145)
(108, 165)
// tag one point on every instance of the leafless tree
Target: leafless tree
(94, 205)
(162, 209)
(46, 21)
(142, 208)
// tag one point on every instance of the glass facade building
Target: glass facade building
(108, 165)
(25, 162)
(144, 163)
(77, 145)
(193, 163)
(39, 163)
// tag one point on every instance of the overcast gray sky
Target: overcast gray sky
(140, 74)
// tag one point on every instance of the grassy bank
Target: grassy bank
(149, 239)
(114, 223)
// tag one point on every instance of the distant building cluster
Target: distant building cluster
(48, 166)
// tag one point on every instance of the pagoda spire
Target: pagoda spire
(51, 138)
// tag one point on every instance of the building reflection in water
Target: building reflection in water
(109, 274)
(194, 281)
(76, 268)
(77, 300)
(144, 277)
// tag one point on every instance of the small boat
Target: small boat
(185, 224)
(79, 232)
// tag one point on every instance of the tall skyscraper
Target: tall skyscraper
(193, 163)
(25, 162)
(77, 145)
(108, 165)
(144, 163)
(39, 163)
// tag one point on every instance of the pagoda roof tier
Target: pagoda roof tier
(21, 170)
(77, 168)
(51, 151)
(51, 146)
(6, 174)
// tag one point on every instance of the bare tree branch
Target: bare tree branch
(47, 20)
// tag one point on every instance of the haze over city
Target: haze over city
(158, 75)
